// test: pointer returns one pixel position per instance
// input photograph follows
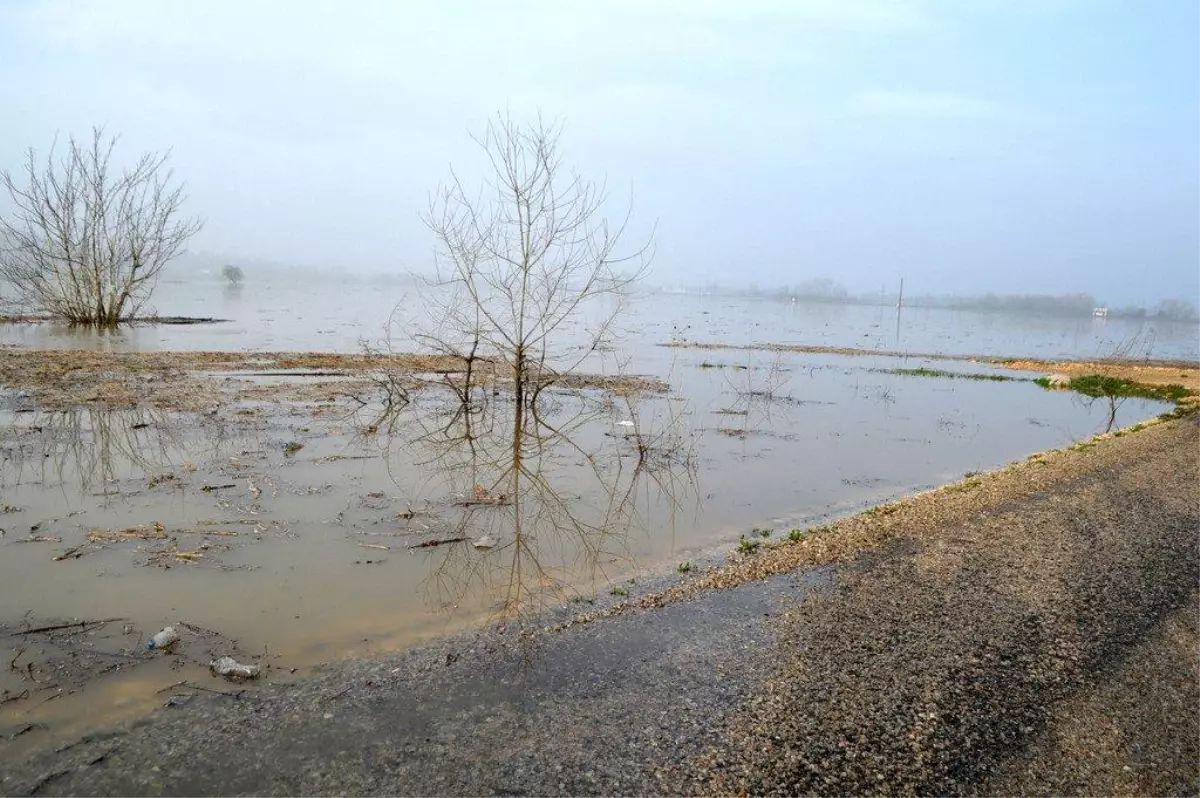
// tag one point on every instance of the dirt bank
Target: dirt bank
(192, 381)
(970, 647)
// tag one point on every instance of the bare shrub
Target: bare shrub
(86, 241)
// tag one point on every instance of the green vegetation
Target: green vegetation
(795, 535)
(620, 590)
(1180, 412)
(763, 532)
(1100, 386)
(684, 567)
(748, 545)
(952, 375)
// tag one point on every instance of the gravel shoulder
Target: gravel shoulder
(1027, 631)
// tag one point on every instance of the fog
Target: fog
(1010, 147)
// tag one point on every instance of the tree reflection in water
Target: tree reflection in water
(547, 495)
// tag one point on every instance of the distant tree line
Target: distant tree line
(828, 290)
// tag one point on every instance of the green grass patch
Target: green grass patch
(951, 375)
(1099, 386)
(748, 545)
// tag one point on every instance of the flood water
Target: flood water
(336, 315)
(308, 531)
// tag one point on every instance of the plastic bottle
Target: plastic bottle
(164, 639)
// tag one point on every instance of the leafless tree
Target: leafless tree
(524, 261)
(86, 240)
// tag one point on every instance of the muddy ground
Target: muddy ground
(1027, 631)
(192, 381)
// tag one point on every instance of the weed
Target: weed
(1100, 386)
(795, 535)
(763, 532)
(582, 600)
(748, 546)
(620, 590)
(684, 567)
(953, 375)
(1180, 412)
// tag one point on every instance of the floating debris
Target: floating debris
(428, 544)
(155, 531)
(233, 670)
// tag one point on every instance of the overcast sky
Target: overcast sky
(968, 146)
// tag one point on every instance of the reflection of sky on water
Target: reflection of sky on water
(335, 315)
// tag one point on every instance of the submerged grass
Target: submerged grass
(952, 375)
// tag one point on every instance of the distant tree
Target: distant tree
(85, 240)
(822, 288)
(232, 274)
(1128, 312)
(1176, 310)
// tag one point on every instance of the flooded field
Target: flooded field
(282, 511)
(272, 313)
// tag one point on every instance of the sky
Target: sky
(965, 145)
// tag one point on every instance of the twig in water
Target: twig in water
(23, 694)
(72, 625)
(73, 553)
(431, 543)
(235, 696)
(44, 780)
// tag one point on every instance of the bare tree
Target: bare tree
(523, 261)
(85, 241)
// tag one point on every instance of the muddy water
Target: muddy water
(310, 532)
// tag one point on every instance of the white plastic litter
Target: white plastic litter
(232, 669)
(485, 542)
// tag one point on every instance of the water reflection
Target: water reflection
(546, 496)
(84, 450)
